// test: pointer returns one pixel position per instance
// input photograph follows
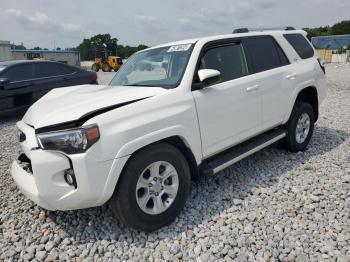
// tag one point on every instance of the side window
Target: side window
(283, 58)
(300, 45)
(51, 69)
(1, 69)
(265, 53)
(19, 73)
(65, 70)
(228, 59)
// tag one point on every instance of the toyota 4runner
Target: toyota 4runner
(171, 113)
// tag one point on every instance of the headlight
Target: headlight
(70, 141)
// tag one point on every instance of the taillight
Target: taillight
(94, 77)
(321, 63)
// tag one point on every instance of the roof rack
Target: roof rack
(246, 30)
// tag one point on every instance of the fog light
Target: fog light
(69, 177)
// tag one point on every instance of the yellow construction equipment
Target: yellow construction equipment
(40, 58)
(107, 64)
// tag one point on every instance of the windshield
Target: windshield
(160, 67)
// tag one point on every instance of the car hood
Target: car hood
(66, 104)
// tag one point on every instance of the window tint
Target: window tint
(51, 69)
(265, 53)
(19, 73)
(229, 60)
(300, 45)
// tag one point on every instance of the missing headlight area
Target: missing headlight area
(25, 163)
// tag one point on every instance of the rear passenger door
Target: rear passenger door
(228, 111)
(270, 67)
(49, 76)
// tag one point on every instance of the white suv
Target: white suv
(171, 113)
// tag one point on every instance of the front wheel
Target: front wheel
(95, 67)
(106, 67)
(300, 127)
(153, 188)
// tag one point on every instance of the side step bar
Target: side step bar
(232, 155)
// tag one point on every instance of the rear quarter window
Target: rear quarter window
(300, 45)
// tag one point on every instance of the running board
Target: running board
(232, 155)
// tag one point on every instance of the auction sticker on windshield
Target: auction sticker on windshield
(179, 48)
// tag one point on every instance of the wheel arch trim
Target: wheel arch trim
(302, 87)
(156, 136)
(133, 146)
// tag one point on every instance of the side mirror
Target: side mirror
(4, 82)
(208, 77)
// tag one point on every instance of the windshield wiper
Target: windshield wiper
(139, 85)
(161, 86)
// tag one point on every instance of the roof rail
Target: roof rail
(246, 30)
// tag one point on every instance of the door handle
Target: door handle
(252, 88)
(291, 76)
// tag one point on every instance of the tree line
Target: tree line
(341, 28)
(98, 44)
(93, 47)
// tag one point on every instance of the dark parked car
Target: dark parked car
(24, 82)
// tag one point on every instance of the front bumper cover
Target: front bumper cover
(43, 181)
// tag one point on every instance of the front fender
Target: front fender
(131, 147)
(147, 139)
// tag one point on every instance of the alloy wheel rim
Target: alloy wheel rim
(302, 128)
(157, 187)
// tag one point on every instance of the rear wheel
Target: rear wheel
(106, 67)
(153, 188)
(95, 67)
(300, 127)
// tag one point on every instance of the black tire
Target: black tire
(106, 67)
(124, 203)
(95, 67)
(290, 141)
(116, 70)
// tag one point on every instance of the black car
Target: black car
(24, 82)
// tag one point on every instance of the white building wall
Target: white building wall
(70, 58)
(339, 58)
(5, 51)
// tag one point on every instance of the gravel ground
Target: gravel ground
(273, 206)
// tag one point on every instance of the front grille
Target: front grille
(25, 163)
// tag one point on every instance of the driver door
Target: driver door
(228, 111)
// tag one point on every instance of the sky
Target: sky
(64, 23)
